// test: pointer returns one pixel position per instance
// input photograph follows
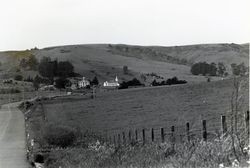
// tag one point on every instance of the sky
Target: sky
(25, 24)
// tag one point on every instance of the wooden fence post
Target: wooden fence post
(136, 135)
(172, 137)
(247, 125)
(114, 140)
(124, 137)
(129, 136)
(119, 140)
(143, 136)
(110, 139)
(223, 124)
(188, 131)
(204, 130)
(162, 135)
(172, 134)
(152, 135)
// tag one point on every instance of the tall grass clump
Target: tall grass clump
(195, 154)
(59, 135)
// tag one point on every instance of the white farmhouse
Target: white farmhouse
(83, 83)
(114, 83)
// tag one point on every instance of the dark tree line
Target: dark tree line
(204, 68)
(132, 83)
(170, 81)
(50, 69)
(212, 69)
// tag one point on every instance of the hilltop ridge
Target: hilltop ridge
(107, 60)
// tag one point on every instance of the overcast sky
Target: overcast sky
(28, 23)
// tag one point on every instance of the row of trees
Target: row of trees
(50, 69)
(219, 69)
(206, 69)
(170, 81)
(132, 83)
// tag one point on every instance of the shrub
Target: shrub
(133, 82)
(94, 81)
(18, 77)
(61, 82)
(60, 136)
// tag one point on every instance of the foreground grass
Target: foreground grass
(192, 154)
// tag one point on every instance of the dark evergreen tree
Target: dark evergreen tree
(95, 81)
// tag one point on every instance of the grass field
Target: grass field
(66, 119)
(157, 107)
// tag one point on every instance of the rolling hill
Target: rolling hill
(107, 60)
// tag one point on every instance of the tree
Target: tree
(32, 62)
(143, 77)
(212, 69)
(125, 69)
(238, 69)
(133, 82)
(94, 81)
(36, 82)
(65, 69)
(242, 69)
(154, 83)
(204, 68)
(29, 63)
(47, 68)
(23, 63)
(221, 69)
(61, 83)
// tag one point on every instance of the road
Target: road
(12, 137)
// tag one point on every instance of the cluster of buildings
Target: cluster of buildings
(79, 83)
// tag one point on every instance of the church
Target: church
(113, 83)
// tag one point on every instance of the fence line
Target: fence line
(148, 135)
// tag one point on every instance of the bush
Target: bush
(60, 136)
(18, 77)
(64, 69)
(133, 82)
(94, 81)
(61, 83)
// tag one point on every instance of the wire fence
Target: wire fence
(209, 128)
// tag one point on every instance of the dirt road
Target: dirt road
(12, 137)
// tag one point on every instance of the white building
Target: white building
(83, 83)
(112, 83)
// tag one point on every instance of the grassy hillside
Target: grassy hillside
(154, 107)
(106, 61)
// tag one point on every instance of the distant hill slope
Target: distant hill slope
(227, 53)
(107, 60)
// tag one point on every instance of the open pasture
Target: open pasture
(123, 110)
